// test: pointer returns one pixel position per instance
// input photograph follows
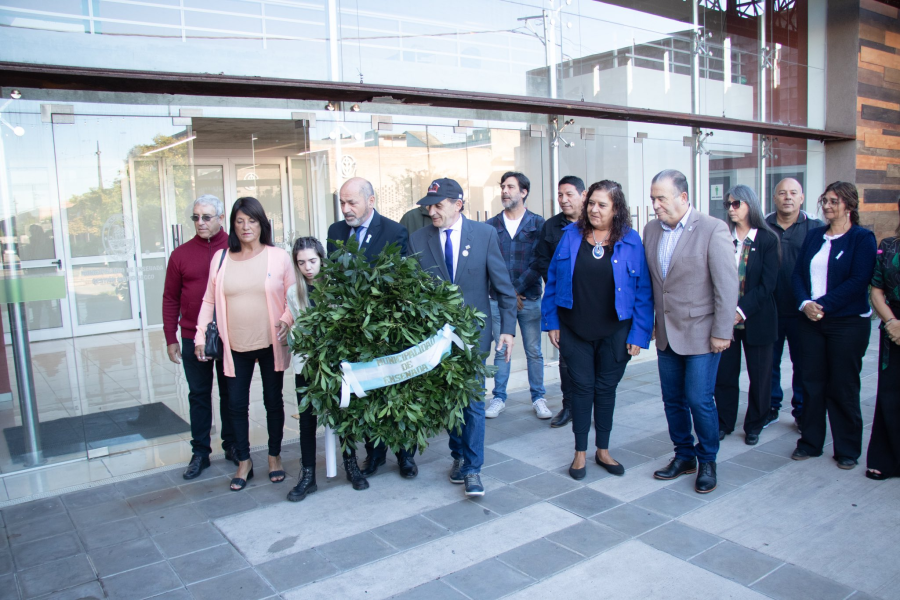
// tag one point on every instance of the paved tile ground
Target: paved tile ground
(774, 528)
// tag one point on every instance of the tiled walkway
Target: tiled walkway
(774, 528)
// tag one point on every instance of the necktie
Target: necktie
(448, 255)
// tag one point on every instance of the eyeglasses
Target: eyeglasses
(830, 201)
(735, 204)
(206, 218)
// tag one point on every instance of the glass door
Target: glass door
(147, 179)
(265, 180)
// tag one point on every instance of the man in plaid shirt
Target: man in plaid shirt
(518, 231)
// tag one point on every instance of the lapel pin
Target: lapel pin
(466, 251)
(368, 237)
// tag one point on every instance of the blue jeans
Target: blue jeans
(687, 384)
(530, 325)
(787, 329)
(469, 443)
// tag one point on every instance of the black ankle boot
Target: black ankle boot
(564, 416)
(306, 485)
(354, 476)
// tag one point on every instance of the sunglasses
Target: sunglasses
(735, 204)
(206, 218)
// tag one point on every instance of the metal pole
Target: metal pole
(550, 59)
(696, 162)
(761, 95)
(18, 332)
(177, 238)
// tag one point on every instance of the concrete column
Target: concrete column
(842, 45)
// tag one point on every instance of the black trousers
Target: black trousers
(199, 377)
(239, 399)
(565, 382)
(884, 446)
(759, 398)
(595, 370)
(832, 352)
(308, 425)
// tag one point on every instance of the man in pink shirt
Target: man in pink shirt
(186, 280)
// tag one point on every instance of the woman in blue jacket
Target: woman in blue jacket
(598, 310)
(831, 284)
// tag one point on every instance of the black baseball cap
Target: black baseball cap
(440, 189)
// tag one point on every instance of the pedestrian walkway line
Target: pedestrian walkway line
(440, 557)
(287, 528)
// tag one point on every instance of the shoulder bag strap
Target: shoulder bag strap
(221, 260)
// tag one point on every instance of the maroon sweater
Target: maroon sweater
(186, 279)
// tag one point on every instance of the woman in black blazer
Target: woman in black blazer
(831, 285)
(758, 256)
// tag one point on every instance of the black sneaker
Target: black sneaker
(473, 485)
(455, 475)
(772, 418)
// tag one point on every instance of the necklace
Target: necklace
(598, 252)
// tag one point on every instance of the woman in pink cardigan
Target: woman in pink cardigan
(247, 289)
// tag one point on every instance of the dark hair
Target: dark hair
(300, 244)
(573, 181)
(757, 220)
(524, 182)
(679, 181)
(847, 193)
(621, 222)
(253, 209)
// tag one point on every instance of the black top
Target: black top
(382, 231)
(791, 242)
(758, 301)
(593, 313)
(551, 234)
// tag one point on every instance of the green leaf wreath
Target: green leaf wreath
(365, 311)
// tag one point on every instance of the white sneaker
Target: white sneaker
(497, 406)
(540, 409)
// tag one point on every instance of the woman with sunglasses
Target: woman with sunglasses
(757, 255)
(247, 290)
(307, 256)
(831, 285)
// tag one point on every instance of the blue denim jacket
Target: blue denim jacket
(634, 294)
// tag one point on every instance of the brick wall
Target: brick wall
(878, 116)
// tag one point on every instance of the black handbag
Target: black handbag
(213, 346)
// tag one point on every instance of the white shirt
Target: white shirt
(738, 250)
(360, 232)
(512, 226)
(455, 233)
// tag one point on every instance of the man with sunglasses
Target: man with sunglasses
(186, 278)
(791, 224)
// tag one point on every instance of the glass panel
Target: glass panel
(42, 314)
(207, 179)
(153, 277)
(263, 182)
(102, 292)
(149, 205)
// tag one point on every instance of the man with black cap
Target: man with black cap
(466, 253)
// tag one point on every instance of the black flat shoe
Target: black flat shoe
(876, 476)
(407, 465)
(374, 460)
(241, 483)
(577, 474)
(722, 435)
(196, 466)
(613, 469)
(676, 468)
(800, 454)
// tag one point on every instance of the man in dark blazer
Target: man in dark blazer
(374, 232)
(695, 294)
(467, 253)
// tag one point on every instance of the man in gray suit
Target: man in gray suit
(467, 253)
(695, 293)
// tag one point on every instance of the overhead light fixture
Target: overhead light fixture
(355, 108)
(178, 143)
(19, 131)
(15, 94)
(330, 106)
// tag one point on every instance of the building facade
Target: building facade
(115, 115)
